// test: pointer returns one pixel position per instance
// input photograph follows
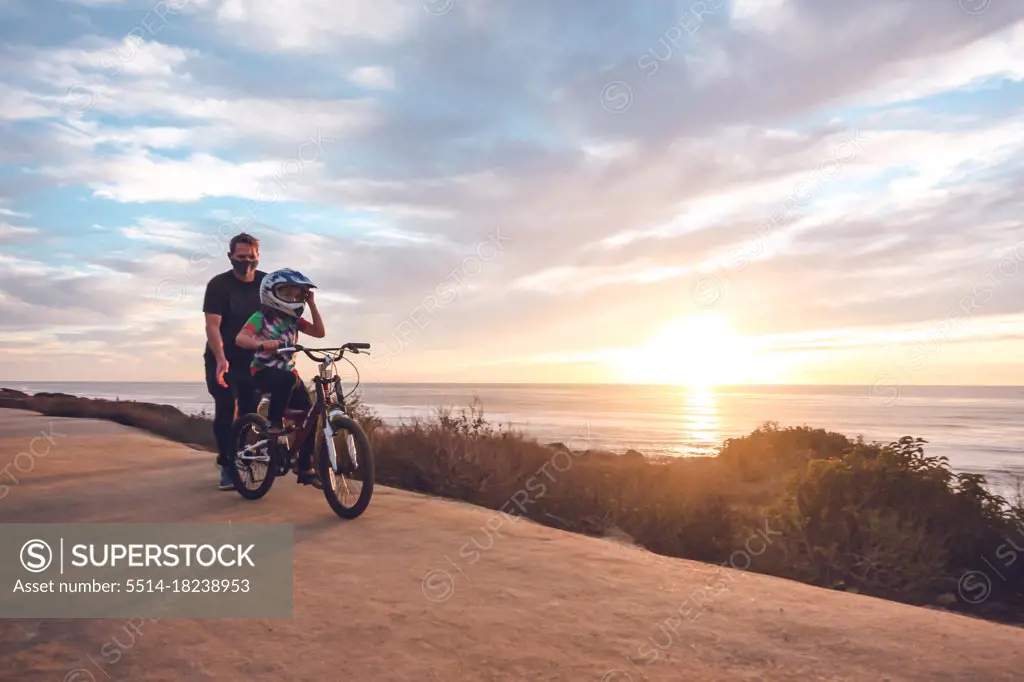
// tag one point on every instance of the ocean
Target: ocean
(979, 428)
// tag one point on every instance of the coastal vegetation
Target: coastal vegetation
(802, 503)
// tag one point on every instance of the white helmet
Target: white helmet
(278, 278)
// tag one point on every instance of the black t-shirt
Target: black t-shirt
(235, 301)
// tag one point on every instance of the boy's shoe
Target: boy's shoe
(311, 478)
(276, 431)
(225, 480)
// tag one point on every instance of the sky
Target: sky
(719, 191)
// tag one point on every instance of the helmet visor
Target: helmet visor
(292, 293)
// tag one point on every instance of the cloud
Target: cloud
(12, 233)
(99, 3)
(759, 14)
(140, 177)
(4, 211)
(576, 279)
(834, 54)
(163, 232)
(312, 25)
(17, 104)
(135, 78)
(89, 135)
(378, 77)
(385, 143)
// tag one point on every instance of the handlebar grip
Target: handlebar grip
(358, 346)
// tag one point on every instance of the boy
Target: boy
(283, 296)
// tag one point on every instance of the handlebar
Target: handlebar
(357, 348)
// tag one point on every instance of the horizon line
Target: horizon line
(543, 383)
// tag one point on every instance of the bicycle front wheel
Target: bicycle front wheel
(348, 486)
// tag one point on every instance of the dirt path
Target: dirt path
(539, 604)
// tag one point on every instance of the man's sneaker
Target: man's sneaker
(225, 480)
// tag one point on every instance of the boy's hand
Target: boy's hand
(309, 298)
(271, 346)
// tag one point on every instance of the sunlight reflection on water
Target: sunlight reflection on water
(700, 421)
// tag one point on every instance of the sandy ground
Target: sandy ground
(539, 604)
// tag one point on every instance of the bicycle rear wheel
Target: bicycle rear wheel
(253, 470)
(349, 487)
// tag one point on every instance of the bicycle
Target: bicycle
(327, 420)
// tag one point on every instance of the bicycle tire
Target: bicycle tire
(346, 425)
(261, 426)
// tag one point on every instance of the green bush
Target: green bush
(770, 451)
(889, 521)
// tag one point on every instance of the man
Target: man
(231, 298)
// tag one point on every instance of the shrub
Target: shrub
(770, 451)
(889, 521)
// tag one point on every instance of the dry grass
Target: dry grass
(885, 520)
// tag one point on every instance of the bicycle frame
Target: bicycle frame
(323, 407)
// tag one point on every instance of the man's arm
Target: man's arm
(213, 337)
(215, 304)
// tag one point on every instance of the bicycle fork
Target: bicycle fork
(332, 451)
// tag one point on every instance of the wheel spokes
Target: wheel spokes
(342, 484)
(252, 458)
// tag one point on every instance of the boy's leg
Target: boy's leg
(278, 383)
(286, 388)
(248, 394)
(300, 401)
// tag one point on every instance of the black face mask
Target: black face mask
(244, 267)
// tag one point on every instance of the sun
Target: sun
(700, 351)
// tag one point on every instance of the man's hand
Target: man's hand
(222, 368)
